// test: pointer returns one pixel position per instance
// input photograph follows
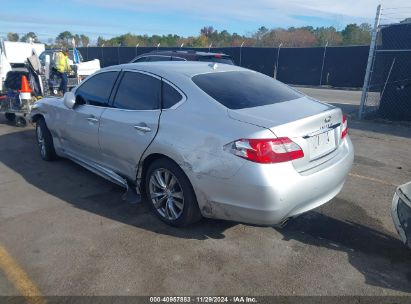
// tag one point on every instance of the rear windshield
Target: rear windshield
(244, 89)
(222, 59)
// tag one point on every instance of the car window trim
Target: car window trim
(123, 72)
(107, 105)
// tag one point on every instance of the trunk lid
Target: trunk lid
(313, 125)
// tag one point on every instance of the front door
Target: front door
(128, 127)
(79, 132)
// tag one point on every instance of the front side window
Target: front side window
(244, 89)
(96, 90)
(138, 91)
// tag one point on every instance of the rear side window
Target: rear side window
(138, 91)
(170, 96)
(244, 89)
(96, 90)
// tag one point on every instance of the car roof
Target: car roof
(170, 69)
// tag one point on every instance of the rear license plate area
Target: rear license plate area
(322, 144)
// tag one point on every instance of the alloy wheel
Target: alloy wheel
(166, 194)
(40, 141)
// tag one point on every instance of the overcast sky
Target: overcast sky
(185, 17)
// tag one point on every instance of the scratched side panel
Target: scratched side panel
(194, 136)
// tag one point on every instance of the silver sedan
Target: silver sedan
(201, 140)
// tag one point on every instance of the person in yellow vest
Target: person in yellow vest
(63, 68)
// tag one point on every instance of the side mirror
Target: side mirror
(69, 100)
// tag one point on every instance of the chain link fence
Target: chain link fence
(387, 85)
(336, 66)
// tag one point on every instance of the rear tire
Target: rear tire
(45, 141)
(170, 194)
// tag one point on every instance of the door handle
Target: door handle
(92, 119)
(142, 128)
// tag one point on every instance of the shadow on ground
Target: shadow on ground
(386, 258)
(85, 190)
(388, 262)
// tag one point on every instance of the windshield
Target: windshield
(244, 89)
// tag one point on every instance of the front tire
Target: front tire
(170, 194)
(45, 141)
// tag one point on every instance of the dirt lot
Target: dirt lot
(68, 232)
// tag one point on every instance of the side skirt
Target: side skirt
(99, 170)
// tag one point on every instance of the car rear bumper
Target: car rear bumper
(269, 194)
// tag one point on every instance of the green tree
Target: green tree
(100, 41)
(327, 34)
(356, 35)
(64, 39)
(85, 40)
(207, 31)
(30, 36)
(12, 36)
(259, 35)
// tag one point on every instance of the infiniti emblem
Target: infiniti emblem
(327, 119)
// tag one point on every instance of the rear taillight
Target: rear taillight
(344, 127)
(266, 151)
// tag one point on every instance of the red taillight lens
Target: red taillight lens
(344, 127)
(267, 151)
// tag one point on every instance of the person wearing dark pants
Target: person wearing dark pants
(63, 83)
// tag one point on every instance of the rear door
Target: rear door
(79, 126)
(130, 124)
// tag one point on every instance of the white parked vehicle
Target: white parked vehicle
(18, 52)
